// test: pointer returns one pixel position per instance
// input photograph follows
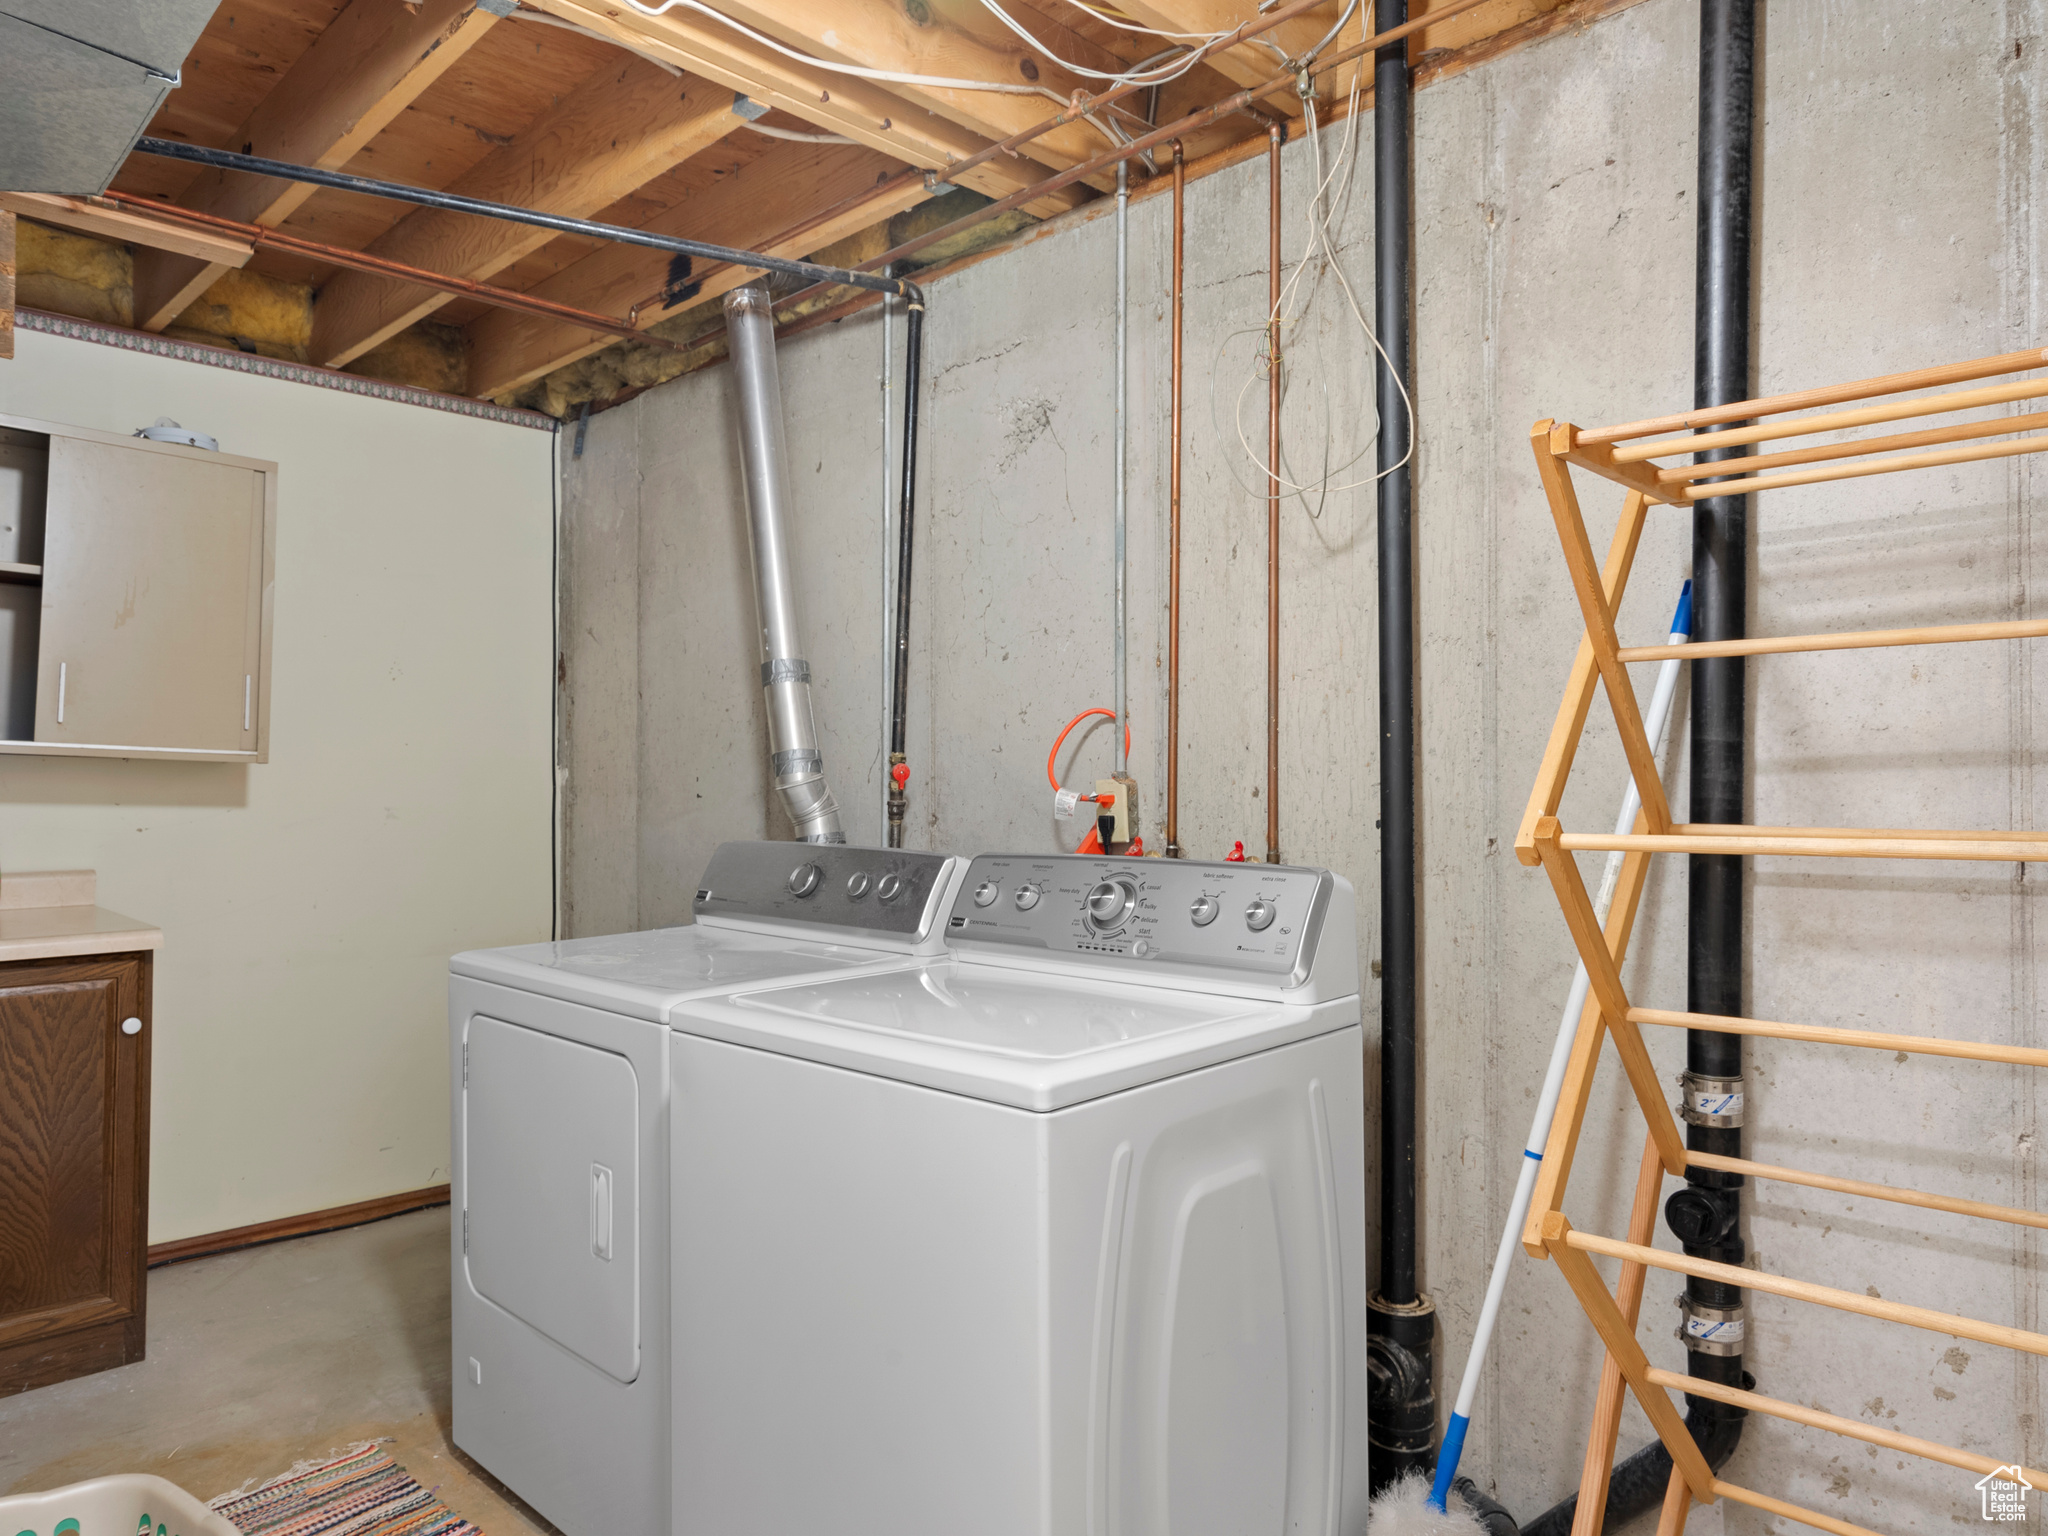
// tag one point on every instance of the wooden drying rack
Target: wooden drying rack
(1619, 454)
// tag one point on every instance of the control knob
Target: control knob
(1026, 897)
(1110, 902)
(985, 894)
(1202, 910)
(1260, 914)
(857, 884)
(891, 887)
(804, 879)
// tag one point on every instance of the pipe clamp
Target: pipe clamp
(784, 670)
(1714, 1101)
(1710, 1330)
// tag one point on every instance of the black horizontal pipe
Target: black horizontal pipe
(1638, 1484)
(510, 213)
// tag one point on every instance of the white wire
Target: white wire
(572, 26)
(1262, 362)
(936, 82)
(1318, 236)
(1164, 75)
(1190, 37)
(858, 71)
(1319, 239)
(796, 137)
(792, 134)
(1132, 26)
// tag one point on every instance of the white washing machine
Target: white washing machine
(1063, 1237)
(561, 1119)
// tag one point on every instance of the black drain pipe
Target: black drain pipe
(1638, 1483)
(1400, 1319)
(1706, 1215)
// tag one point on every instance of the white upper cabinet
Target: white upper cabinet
(150, 635)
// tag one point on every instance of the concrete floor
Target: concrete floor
(267, 1357)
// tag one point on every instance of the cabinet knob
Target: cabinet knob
(131, 1026)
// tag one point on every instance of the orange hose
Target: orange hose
(1053, 756)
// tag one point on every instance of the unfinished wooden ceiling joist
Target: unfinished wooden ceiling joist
(598, 109)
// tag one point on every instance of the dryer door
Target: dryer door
(552, 1218)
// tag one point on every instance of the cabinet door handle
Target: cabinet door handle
(245, 700)
(62, 666)
(131, 1026)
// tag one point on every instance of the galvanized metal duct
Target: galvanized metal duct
(798, 764)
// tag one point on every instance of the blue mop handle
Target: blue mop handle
(1447, 1460)
(1546, 1104)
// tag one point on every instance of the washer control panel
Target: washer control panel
(826, 885)
(1256, 919)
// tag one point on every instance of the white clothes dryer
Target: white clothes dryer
(561, 1118)
(1063, 1237)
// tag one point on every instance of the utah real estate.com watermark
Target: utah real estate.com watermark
(2003, 1492)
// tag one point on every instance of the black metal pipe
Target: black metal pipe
(454, 202)
(1396, 680)
(1638, 1483)
(1492, 1515)
(1706, 1215)
(1401, 1323)
(899, 764)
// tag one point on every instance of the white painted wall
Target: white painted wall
(309, 904)
(1903, 177)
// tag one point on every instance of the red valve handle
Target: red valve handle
(901, 774)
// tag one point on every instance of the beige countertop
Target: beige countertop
(52, 914)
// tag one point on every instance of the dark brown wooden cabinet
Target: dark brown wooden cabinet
(74, 1166)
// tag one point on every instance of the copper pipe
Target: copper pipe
(361, 261)
(1275, 137)
(1180, 190)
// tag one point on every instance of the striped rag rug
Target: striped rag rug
(361, 1493)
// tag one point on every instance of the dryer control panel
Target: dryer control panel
(1258, 921)
(833, 886)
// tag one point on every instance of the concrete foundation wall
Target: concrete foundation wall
(1902, 167)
